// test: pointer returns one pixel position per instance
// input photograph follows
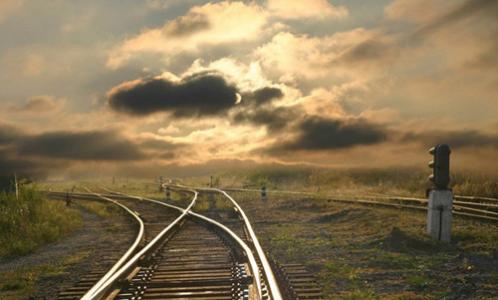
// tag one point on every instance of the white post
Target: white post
(439, 214)
(16, 186)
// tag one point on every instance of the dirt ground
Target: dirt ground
(360, 252)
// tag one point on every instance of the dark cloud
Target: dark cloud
(316, 133)
(274, 119)
(466, 10)
(376, 50)
(186, 25)
(488, 59)
(155, 144)
(167, 155)
(23, 167)
(91, 145)
(8, 134)
(262, 96)
(456, 139)
(197, 95)
(39, 104)
(370, 50)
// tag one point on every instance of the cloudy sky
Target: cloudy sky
(138, 87)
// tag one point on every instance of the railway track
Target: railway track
(479, 208)
(111, 258)
(179, 253)
(293, 280)
(191, 256)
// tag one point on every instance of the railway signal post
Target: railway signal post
(440, 205)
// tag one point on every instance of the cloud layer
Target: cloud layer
(188, 82)
(326, 134)
(195, 95)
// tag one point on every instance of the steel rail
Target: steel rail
(268, 191)
(478, 198)
(250, 256)
(127, 254)
(474, 198)
(123, 258)
(480, 211)
(267, 270)
(483, 214)
(104, 288)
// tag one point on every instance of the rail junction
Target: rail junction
(178, 253)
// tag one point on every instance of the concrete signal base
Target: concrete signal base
(439, 214)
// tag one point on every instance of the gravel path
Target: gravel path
(95, 232)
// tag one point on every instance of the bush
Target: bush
(31, 221)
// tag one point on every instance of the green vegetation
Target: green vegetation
(360, 252)
(102, 209)
(32, 221)
(401, 181)
(21, 283)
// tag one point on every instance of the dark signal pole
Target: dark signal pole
(440, 202)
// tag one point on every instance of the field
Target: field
(400, 182)
(355, 252)
(360, 252)
(370, 253)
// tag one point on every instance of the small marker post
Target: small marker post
(161, 180)
(16, 186)
(168, 193)
(264, 196)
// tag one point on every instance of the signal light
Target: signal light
(440, 166)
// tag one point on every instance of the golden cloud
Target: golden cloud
(298, 9)
(206, 25)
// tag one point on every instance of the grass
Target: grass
(102, 209)
(360, 252)
(21, 283)
(400, 181)
(32, 221)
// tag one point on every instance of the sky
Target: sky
(147, 87)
